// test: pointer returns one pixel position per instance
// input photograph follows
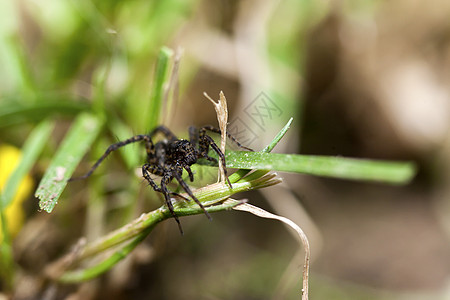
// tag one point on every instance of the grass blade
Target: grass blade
(337, 167)
(278, 137)
(14, 112)
(157, 97)
(242, 172)
(75, 145)
(30, 152)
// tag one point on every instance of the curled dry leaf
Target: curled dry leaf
(265, 214)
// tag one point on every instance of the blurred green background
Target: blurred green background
(366, 79)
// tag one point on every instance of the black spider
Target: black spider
(168, 158)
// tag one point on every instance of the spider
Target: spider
(168, 158)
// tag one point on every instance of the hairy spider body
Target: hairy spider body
(168, 158)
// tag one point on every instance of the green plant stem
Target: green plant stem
(135, 231)
(105, 265)
(139, 228)
(208, 195)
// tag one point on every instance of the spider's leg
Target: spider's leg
(165, 131)
(113, 147)
(189, 192)
(150, 148)
(210, 142)
(193, 135)
(166, 194)
(146, 170)
(232, 138)
(203, 143)
(191, 175)
(210, 158)
(181, 196)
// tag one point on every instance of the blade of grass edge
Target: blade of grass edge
(74, 146)
(393, 172)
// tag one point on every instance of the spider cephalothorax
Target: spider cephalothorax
(168, 158)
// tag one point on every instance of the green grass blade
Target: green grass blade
(278, 137)
(30, 152)
(337, 167)
(162, 69)
(242, 172)
(14, 112)
(74, 146)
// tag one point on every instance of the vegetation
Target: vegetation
(98, 73)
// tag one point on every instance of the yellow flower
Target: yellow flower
(14, 214)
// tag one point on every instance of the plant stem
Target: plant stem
(142, 226)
